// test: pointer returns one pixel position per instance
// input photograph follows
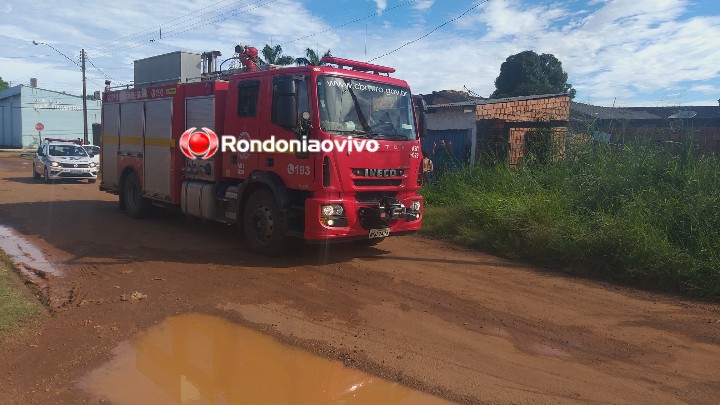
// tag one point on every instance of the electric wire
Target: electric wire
(217, 18)
(431, 31)
(127, 38)
(351, 22)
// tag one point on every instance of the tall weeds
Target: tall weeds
(637, 213)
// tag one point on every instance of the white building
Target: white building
(22, 108)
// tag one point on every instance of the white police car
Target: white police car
(58, 159)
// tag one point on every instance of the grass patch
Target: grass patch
(17, 306)
(639, 214)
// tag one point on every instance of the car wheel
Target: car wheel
(263, 225)
(91, 181)
(36, 175)
(136, 205)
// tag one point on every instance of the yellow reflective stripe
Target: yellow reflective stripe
(136, 140)
(160, 142)
(130, 140)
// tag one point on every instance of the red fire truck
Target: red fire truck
(319, 196)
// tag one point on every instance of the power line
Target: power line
(351, 22)
(101, 72)
(55, 49)
(127, 38)
(431, 31)
(217, 18)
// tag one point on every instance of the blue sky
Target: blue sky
(616, 52)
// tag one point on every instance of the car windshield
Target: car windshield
(363, 108)
(91, 150)
(67, 150)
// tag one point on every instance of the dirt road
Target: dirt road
(462, 325)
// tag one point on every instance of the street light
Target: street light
(84, 96)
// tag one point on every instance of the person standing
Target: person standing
(443, 157)
(427, 167)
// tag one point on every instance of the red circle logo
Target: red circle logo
(199, 145)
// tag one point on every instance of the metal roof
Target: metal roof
(495, 100)
(15, 90)
(610, 113)
(643, 113)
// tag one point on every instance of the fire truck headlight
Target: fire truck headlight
(330, 210)
(54, 164)
(415, 206)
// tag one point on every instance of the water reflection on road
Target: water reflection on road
(202, 359)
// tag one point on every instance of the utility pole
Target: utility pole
(85, 128)
(83, 56)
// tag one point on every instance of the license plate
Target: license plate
(75, 172)
(379, 233)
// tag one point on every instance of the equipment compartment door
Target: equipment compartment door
(109, 144)
(131, 129)
(158, 144)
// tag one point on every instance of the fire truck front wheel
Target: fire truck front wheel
(263, 224)
(136, 205)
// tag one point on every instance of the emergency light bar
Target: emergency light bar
(356, 65)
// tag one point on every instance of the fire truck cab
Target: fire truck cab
(351, 169)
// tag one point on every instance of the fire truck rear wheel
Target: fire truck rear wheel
(263, 224)
(136, 205)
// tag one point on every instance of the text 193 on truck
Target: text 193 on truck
(321, 153)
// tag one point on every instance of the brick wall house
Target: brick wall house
(498, 128)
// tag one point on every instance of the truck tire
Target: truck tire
(36, 175)
(136, 205)
(263, 224)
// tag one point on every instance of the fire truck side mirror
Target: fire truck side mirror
(286, 113)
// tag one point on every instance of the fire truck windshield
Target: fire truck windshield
(364, 108)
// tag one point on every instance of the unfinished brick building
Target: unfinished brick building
(498, 129)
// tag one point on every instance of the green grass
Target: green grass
(16, 306)
(639, 214)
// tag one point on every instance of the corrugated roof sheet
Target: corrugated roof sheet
(610, 113)
(495, 100)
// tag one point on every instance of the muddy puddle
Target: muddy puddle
(202, 359)
(29, 260)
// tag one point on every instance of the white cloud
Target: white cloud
(423, 4)
(706, 89)
(381, 5)
(511, 18)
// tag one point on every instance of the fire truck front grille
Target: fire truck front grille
(373, 197)
(74, 165)
(377, 183)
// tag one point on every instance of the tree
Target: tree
(3, 84)
(311, 58)
(527, 73)
(274, 56)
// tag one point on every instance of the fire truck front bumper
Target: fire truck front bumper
(342, 220)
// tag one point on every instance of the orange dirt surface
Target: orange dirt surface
(462, 325)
